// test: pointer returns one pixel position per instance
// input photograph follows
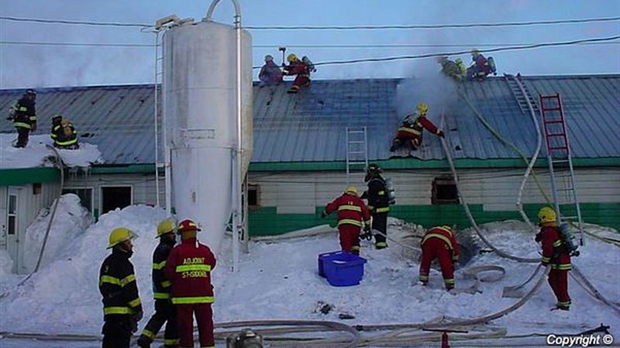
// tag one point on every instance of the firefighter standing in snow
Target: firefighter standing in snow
(378, 203)
(122, 309)
(297, 67)
(352, 213)
(554, 253)
(189, 268)
(439, 243)
(24, 117)
(410, 132)
(164, 310)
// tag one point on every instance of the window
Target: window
(85, 194)
(445, 191)
(36, 188)
(253, 196)
(113, 197)
(12, 214)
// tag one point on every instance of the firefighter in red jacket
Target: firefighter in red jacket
(297, 67)
(554, 253)
(410, 132)
(352, 213)
(189, 268)
(439, 243)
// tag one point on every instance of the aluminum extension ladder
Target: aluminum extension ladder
(520, 97)
(560, 162)
(357, 150)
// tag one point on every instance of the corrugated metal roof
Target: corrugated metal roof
(310, 126)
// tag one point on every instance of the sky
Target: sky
(35, 54)
(278, 280)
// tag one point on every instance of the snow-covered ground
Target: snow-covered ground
(278, 280)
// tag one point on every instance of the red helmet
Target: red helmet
(187, 225)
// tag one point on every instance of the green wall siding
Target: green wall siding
(266, 221)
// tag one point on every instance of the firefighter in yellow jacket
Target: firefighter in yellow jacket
(122, 308)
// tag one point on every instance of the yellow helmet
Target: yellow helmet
(422, 108)
(546, 215)
(291, 58)
(165, 226)
(120, 235)
(351, 189)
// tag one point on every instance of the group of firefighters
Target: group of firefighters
(439, 242)
(24, 117)
(480, 68)
(270, 74)
(182, 289)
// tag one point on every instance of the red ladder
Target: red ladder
(560, 161)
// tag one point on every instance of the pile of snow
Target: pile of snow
(36, 154)
(278, 279)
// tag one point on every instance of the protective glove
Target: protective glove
(133, 321)
(367, 234)
(440, 133)
(323, 215)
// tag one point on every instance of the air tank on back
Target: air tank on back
(200, 113)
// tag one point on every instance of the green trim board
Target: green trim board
(23, 176)
(266, 221)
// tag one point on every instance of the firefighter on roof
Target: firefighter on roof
(439, 243)
(297, 67)
(352, 213)
(63, 133)
(189, 268)
(451, 69)
(122, 309)
(410, 132)
(554, 253)
(24, 117)
(270, 74)
(164, 310)
(378, 203)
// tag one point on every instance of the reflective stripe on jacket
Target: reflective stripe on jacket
(117, 285)
(351, 210)
(189, 269)
(447, 236)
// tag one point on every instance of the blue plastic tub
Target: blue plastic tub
(341, 268)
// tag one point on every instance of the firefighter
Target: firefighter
(410, 132)
(63, 133)
(352, 213)
(378, 203)
(122, 309)
(451, 69)
(189, 268)
(481, 66)
(24, 117)
(164, 310)
(297, 67)
(270, 74)
(439, 243)
(554, 253)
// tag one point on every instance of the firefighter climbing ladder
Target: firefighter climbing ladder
(560, 162)
(357, 150)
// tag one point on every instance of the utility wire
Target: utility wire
(434, 26)
(356, 27)
(75, 44)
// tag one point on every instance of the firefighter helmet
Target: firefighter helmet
(352, 190)
(164, 227)
(475, 52)
(292, 58)
(373, 168)
(442, 59)
(422, 108)
(268, 58)
(458, 61)
(187, 225)
(546, 215)
(30, 92)
(56, 118)
(120, 235)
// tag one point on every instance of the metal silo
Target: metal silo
(207, 92)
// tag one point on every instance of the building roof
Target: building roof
(311, 126)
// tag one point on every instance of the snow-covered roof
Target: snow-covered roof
(310, 126)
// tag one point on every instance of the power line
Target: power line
(76, 44)
(438, 26)
(355, 27)
(60, 21)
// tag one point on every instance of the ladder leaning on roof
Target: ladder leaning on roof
(560, 161)
(357, 150)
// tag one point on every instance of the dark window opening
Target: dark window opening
(445, 191)
(115, 197)
(85, 195)
(253, 197)
(36, 188)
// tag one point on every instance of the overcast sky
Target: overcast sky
(34, 54)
